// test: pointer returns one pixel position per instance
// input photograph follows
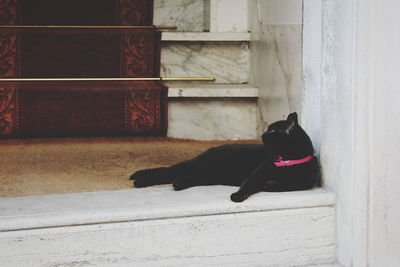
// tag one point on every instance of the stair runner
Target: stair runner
(80, 108)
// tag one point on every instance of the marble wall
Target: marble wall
(276, 57)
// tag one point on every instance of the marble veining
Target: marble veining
(228, 62)
(212, 119)
(187, 15)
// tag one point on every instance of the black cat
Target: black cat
(285, 162)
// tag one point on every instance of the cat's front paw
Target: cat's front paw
(147, 173)
(137, 175)
(140, 183)
(238, 197)
(180, 184)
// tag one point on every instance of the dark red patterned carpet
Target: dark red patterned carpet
(67, 53)
(84, 108)
(76, 12)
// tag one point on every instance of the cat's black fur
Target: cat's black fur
(250, 166)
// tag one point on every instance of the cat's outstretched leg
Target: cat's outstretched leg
(145, 173)
(183, 182)
(254, 182)
(163, 175)
(147, 177)
(195, 175)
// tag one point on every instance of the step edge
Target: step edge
(206, 37)
(182, 92)
(316, 198)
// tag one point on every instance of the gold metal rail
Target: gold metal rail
(107, 79)
(87, 27)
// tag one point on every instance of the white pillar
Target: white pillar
(359, 114)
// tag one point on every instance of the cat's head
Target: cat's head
(286, 138)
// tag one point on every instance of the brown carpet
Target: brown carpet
(55, 166)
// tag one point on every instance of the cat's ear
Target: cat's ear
(292, 120)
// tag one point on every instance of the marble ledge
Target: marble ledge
(33, 212)
(212, 90)
(206, 36)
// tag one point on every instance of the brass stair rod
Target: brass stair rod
(108, 79)
(89, 27)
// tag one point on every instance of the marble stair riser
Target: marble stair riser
(228, 62)
(211, 90)
(203, 15)
(187, 15)
(212, 118)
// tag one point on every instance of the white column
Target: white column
(384, 81)
(359, 114)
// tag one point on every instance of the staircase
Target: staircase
(225, 109)
(195, 227)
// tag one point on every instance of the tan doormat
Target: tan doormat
(57, 166)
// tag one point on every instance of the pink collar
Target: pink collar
(282, 163)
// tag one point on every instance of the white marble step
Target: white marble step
(211, 90)
(203, 15)
(212, 111)
(212, 118)
(186, 15)
(228, 62)
(206, 36)
(159, 226)
(222, 53)
(325, 265)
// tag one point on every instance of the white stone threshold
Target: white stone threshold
(206, 36)
(37, 212)
(160, 227)
(211, 90)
